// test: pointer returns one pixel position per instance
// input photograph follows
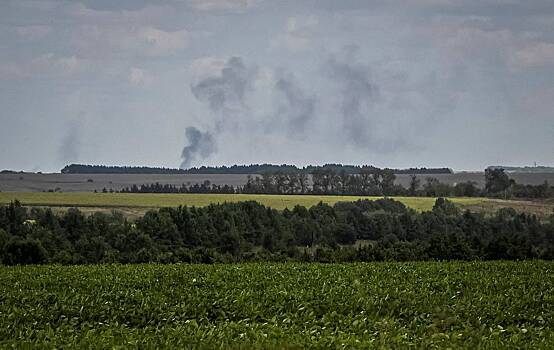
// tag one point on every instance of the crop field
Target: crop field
(154, 200)
(35, 182)
(497, 305)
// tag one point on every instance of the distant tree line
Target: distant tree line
(261, 169)
(238, 169)
(369, 181)
(524, 169)
(105, 169)
(381, 230)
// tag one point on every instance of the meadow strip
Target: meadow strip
(155, 200)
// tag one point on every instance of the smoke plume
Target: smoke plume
(296, 108)
(200, 145)
(226, 91)
(357, 93)
(69, 148)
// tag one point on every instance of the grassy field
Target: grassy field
(147, 200)
(497, 305)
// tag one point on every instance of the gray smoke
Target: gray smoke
(225, 96)
(357, 93)
(200, 145)
(296, 107)
(372, 117)
(70, 146)
(225, 92)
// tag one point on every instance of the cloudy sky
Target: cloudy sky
(455, 83)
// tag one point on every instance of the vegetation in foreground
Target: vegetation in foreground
(492, 305)
(381, 230)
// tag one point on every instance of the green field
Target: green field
(496, 305)
(148, 200)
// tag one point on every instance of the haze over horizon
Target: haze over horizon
(429, 83)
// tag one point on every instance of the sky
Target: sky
(179, 83)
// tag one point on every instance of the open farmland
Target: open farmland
(365, 305)
(136, 204)
(156, 200)
(33, 182)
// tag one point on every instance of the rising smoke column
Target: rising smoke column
(70, 145)
(200, 145)
(357, 92)
(224, 94)
(296, 108)
(376, 108)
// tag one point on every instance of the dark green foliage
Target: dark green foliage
(248, 231)
(496, 181)
(445, 207)
(23, 251)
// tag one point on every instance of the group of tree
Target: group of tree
(381, 230)
(499, 184)
(252, 169)
(205, 187)
(370, 181)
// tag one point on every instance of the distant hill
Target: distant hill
(235, 169)
(524, 169)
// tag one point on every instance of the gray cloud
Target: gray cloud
(200, 145)
(223, 5)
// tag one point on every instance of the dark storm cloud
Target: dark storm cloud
(296, 108)
(200, 145)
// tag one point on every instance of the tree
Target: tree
(497, 181)
(414, 185)
(466, 189)
(303, 182)
(24, 251)
(344, 234)
(387, 181)
(445, 206)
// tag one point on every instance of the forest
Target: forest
(380, 230)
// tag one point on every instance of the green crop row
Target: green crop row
(156, 200)
(375, 305)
